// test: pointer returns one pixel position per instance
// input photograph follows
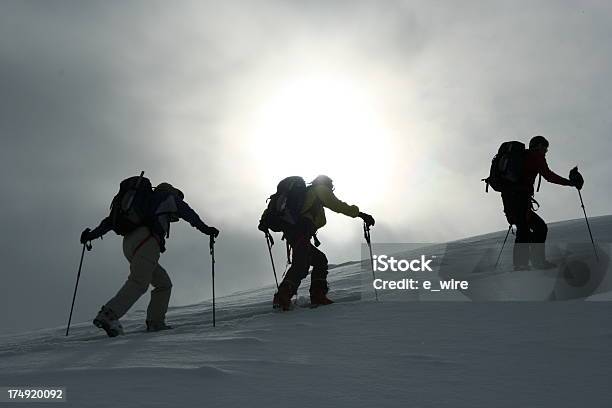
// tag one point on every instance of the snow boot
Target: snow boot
(157, 326)
(108, 321)
(318, 293)
(282, 298)
(538, 257)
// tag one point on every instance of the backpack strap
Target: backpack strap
(144, 241)
(539, 182)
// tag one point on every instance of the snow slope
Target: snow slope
(355, 353)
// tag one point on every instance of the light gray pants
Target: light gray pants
(142, 251)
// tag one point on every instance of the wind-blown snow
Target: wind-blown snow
(355, 353)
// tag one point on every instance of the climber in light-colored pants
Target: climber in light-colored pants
(142, 250)
(144, 225)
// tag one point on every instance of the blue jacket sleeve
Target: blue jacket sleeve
(105, 226)
(185, 212)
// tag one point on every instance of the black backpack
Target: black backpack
(285, 206)
(130, 206)
(507, 167)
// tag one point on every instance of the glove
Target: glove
(211, 231)
(367, 218)
(262, 227)
(576, 178)
(87, 236)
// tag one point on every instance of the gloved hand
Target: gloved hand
(367, 218)
(87, 236)
(211, 231)
(262, 227)
(576, 178)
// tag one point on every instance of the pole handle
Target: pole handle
(366, 232)
(269, 238)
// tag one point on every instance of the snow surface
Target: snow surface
(355, 353)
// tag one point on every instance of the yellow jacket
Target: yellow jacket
(319, 196)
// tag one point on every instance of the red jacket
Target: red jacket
(535, 163)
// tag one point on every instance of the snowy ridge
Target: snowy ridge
(355, 353)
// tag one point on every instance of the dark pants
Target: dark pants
(304, 256)
(531, 230)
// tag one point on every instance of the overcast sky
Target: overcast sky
(402, 103)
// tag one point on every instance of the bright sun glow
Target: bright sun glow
(322, 125)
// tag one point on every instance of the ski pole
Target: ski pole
(366, 234)
(212, 254)
(88, 246)
(588, 226)
(503, 245)
(270, 242)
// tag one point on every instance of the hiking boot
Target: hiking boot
(319, 297)
(282, 298)
(107, 320)
(157, 326)
(544, 264)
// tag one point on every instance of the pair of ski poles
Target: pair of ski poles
(366, 235)
(88, 246)
(588, 227)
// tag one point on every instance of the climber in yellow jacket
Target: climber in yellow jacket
(318, 196)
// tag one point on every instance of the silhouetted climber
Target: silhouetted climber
(513, 173)
(143, 216)
(298, 211)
